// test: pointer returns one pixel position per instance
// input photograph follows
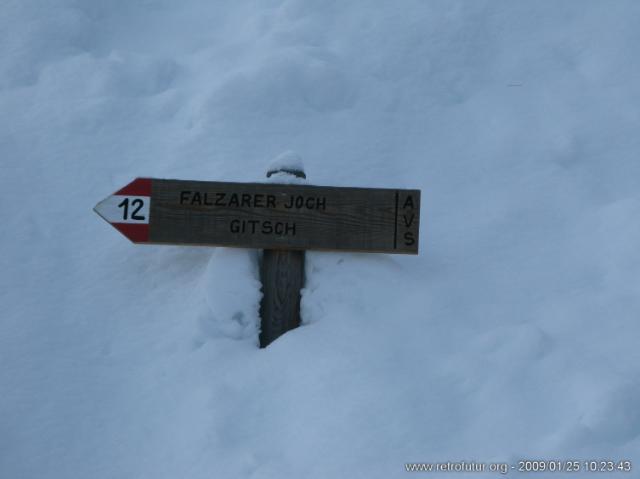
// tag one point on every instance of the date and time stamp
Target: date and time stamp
(527, 466)
(592, 465)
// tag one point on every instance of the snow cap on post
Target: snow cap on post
(286, 168)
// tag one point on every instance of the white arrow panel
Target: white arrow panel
(125, 209)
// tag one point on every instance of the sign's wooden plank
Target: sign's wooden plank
(269, 216)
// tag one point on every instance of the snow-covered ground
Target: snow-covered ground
(514, 334)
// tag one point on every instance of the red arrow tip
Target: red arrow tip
(135, 232)
(138, 187)
(118, 210)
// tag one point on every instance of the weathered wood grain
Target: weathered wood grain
(291, 217)
(282, 276)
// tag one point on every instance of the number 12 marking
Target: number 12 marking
(136, 204)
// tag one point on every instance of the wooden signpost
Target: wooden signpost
(274, 217)
(282, 278)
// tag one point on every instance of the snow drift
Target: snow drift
(513, 335)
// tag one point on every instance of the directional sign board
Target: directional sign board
(265, 215)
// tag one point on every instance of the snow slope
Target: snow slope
(513, 335)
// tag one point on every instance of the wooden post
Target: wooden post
(282, 276)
